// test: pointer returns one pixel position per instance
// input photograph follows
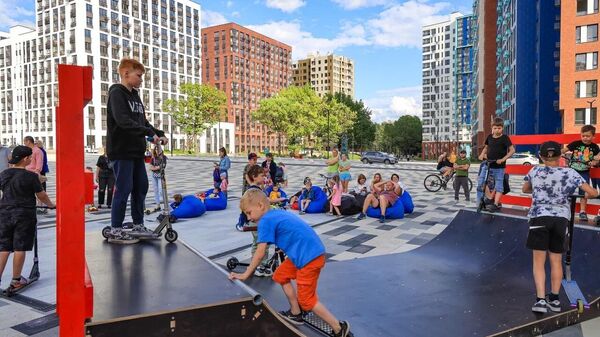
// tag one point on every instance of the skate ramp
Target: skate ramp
(157, 289)
(474, 279)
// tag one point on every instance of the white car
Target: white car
(523, 159)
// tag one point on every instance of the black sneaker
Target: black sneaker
(583, 217)
(361, 216)
(294, 319)
(382, 219)
(554, 305)
(540, 306)
(492, 208)
(344, 331)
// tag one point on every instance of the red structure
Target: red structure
(74, 189)
(523, 170)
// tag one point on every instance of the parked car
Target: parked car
(371, 157)
(523, 159)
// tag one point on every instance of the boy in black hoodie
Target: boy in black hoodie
(127, 129)
(17, 213)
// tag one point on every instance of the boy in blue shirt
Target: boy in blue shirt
(305, 258)
(549, 217)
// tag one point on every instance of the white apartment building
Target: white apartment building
(326, 74)
(441, 85)
(162, 34)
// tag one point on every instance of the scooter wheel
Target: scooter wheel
(579, 306)
(232, 263)
(106, 232)
(171, 236)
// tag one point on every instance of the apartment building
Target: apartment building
(162, 34)
(326, 74)
(447, 71)
(248, 67)
(527, 66)
(483, 84)
(579, 72)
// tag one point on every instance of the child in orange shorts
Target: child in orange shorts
(305, 258)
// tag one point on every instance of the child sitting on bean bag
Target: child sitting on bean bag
(215, 200)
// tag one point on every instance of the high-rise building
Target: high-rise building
(326, 74)
(527, 73)
(462, 69)
(483, 85)
(579, 74)
(248, 66)
(447, 71)
(162, 34)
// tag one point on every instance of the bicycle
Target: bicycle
(436, 181)
(328, 190)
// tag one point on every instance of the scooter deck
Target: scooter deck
(316, 323)
(574, 293)
(7, 293)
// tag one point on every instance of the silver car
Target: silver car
(371, 157)
(523, 159)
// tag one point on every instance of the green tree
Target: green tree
(335, 119)
(201, 107)
(403, 136)
(275, 113)
(362, 132)
(293, 112)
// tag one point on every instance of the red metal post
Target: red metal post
(74, 91)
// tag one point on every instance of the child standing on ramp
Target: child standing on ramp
(305, 259)
(549, 216)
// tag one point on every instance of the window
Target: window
(586, 61)
(585, 7)
(585, 116)
(586, 89)
(587, 33)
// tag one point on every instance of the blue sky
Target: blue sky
(383, 37)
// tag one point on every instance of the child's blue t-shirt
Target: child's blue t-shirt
(295, 237)
(552, 187)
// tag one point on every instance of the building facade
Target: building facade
(162, 34)
(248, 67)
(579, 72)
(447, 71)
(483, 84)
(527, 70)
(326, 74)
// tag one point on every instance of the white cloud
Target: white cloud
(354, 4)
(287, 6)
(400, 25)
(229, 4)
(210, 18)
(11, 14)
(389, 105)
(303, 42)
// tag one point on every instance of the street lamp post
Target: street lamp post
(590, 103)
(328, 141)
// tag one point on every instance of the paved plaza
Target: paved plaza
(214, 234)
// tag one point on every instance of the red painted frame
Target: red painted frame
(74, 290)
(523, 170)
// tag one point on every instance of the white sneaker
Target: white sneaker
(117, 235)
(141, 229)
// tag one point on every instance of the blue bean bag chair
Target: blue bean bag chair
(394, 212)
(407, 202)
(319, 203)
(216, 204)
(283, 194)
(190, 207)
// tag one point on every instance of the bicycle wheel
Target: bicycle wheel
(470, 185)
(432, 183)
